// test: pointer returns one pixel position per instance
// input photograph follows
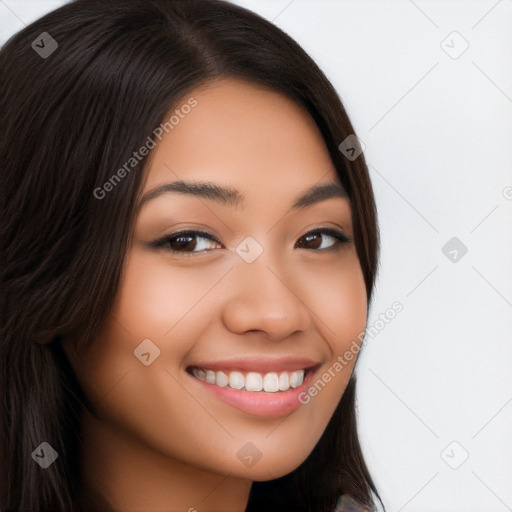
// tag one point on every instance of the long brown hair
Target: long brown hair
(70, 120)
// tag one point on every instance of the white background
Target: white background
(435, 384)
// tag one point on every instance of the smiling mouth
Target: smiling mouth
(271, 382)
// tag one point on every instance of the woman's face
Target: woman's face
(269, 292)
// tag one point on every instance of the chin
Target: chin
(276, 465)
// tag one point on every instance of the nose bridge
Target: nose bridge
(264, 298)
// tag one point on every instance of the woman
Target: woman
(188, 264)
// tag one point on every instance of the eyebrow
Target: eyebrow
(228, 196)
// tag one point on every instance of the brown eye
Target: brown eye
(324, 239)
(184, 242)
(311, 241)
(187, 242)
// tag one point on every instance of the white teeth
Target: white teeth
(210, 376)
(296, 378)
(271, 382)
(253, 381)
(222, 379)
(284, 382)
(236, 380)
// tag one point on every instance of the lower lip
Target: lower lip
(260, 403)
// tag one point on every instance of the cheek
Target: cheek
(152, 295)
(346, 308)
(336, 296)
(157, 296)
(156, 300)
(339, 302)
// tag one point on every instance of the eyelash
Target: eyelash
(163, 242)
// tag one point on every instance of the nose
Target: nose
(265, 298)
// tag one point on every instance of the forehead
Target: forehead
(242, 135)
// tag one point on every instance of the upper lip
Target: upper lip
(260, 364)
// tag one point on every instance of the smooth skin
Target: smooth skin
(158, 441)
